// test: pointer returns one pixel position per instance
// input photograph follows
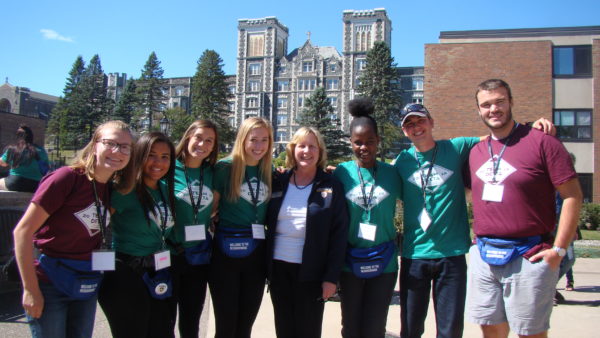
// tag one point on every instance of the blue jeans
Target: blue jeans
(448, 276)
(63, 316)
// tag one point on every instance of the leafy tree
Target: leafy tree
(318, 113)
(150, 89)
(128, 103)
(379, 83)
(209, 94)
(179, 120)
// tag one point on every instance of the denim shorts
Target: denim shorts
(520, 293)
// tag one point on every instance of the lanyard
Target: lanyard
(195, 206)
(101, 216)
(496, 164)
(163, 217)
(425, 182)
(252, 196)
(363, 188)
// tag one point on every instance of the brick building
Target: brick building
(551, 72)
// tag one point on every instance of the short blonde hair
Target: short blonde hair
(86, 157)
(301, 134)
(239, 160)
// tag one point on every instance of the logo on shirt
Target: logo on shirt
(356, 196)
(439, 175)
(486, 173)
(207, 195)
(245, 191)
(159, 212)
(89, 218)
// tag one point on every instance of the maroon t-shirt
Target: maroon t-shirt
(72, 229)
(532, 165)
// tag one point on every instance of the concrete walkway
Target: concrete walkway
(578, 318)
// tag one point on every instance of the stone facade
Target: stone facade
(23, 101)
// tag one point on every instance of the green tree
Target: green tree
(318, 113)
(128, 103)
(150, 90)
(179, 122)
(92, 91)
(209, 94)
(379, 83)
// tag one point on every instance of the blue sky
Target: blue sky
(41, 38)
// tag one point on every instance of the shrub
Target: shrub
(590, 214)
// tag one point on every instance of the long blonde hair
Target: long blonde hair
(239, 160)
(86, 157)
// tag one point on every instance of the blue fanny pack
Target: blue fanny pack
(236, 242)
(370, 262)
(159, 283)
(74, 278)
(199, 254)
(500, 251)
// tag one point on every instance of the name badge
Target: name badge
(162, 259)
(367, 231)
(258, 231)
(103, 260)
(424, 219)
(493, 192)
(195, 232)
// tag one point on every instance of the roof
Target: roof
(521, 32)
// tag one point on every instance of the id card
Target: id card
(493, 192)
(162, 259)
(195, 232)
(258, 231)
(367, 231)
(424, 219)
(103, 260)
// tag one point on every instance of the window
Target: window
(281, 136)
(282, 102)
(252, 102)
(333, 101)
(307, 84)
(231, 89)
(333, 84)
(283, 85)
(417, 83)
(572, 61)
(282, 69)
(332, 67)
(179, 90)
(256, 43)
(253, 85)
(282, 120)
(231, 106)
(361, 64)
(307, 66)
(231, 121)
(574, 125)
(254, 69)
(362, 38)
(300, 101)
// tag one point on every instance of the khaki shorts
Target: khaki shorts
(520, 293)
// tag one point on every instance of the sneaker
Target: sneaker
(558, 298)
(569, 286)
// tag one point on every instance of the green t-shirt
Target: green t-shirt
(448, 233)
(131, 232)
(383, 204)
(241, 213)
(183, 204)
(29, 170)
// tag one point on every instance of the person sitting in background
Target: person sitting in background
(28, 163)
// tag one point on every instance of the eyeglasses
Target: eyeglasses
(124, 148)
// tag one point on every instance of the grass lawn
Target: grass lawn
(590, 234)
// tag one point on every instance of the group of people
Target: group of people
(143, 227)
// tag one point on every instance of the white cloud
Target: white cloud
(53, 35)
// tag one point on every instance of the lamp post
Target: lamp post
(165, 125)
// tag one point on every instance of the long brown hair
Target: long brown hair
(181, 151)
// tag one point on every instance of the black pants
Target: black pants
(236, 287)
(298, 309)
(189, 287)
(20, 183)
(129, 308)
(365, 304)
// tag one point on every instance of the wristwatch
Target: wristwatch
(560, 251)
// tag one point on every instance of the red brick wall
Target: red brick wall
(453, 71)
(9, 124)
(596, 119)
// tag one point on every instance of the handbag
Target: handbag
(236, 242)
(159, 283)
(370, 262)
(500, 251)
(74, 278)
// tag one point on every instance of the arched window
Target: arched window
(5, 106)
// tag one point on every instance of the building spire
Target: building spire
(308, 35)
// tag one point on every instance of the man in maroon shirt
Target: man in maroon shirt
(514, 266)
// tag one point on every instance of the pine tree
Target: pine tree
(150, 90)
(318, 113)
(128, 103)
(93, 89)
(179, 122)
(209, 94)
(379, 83)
